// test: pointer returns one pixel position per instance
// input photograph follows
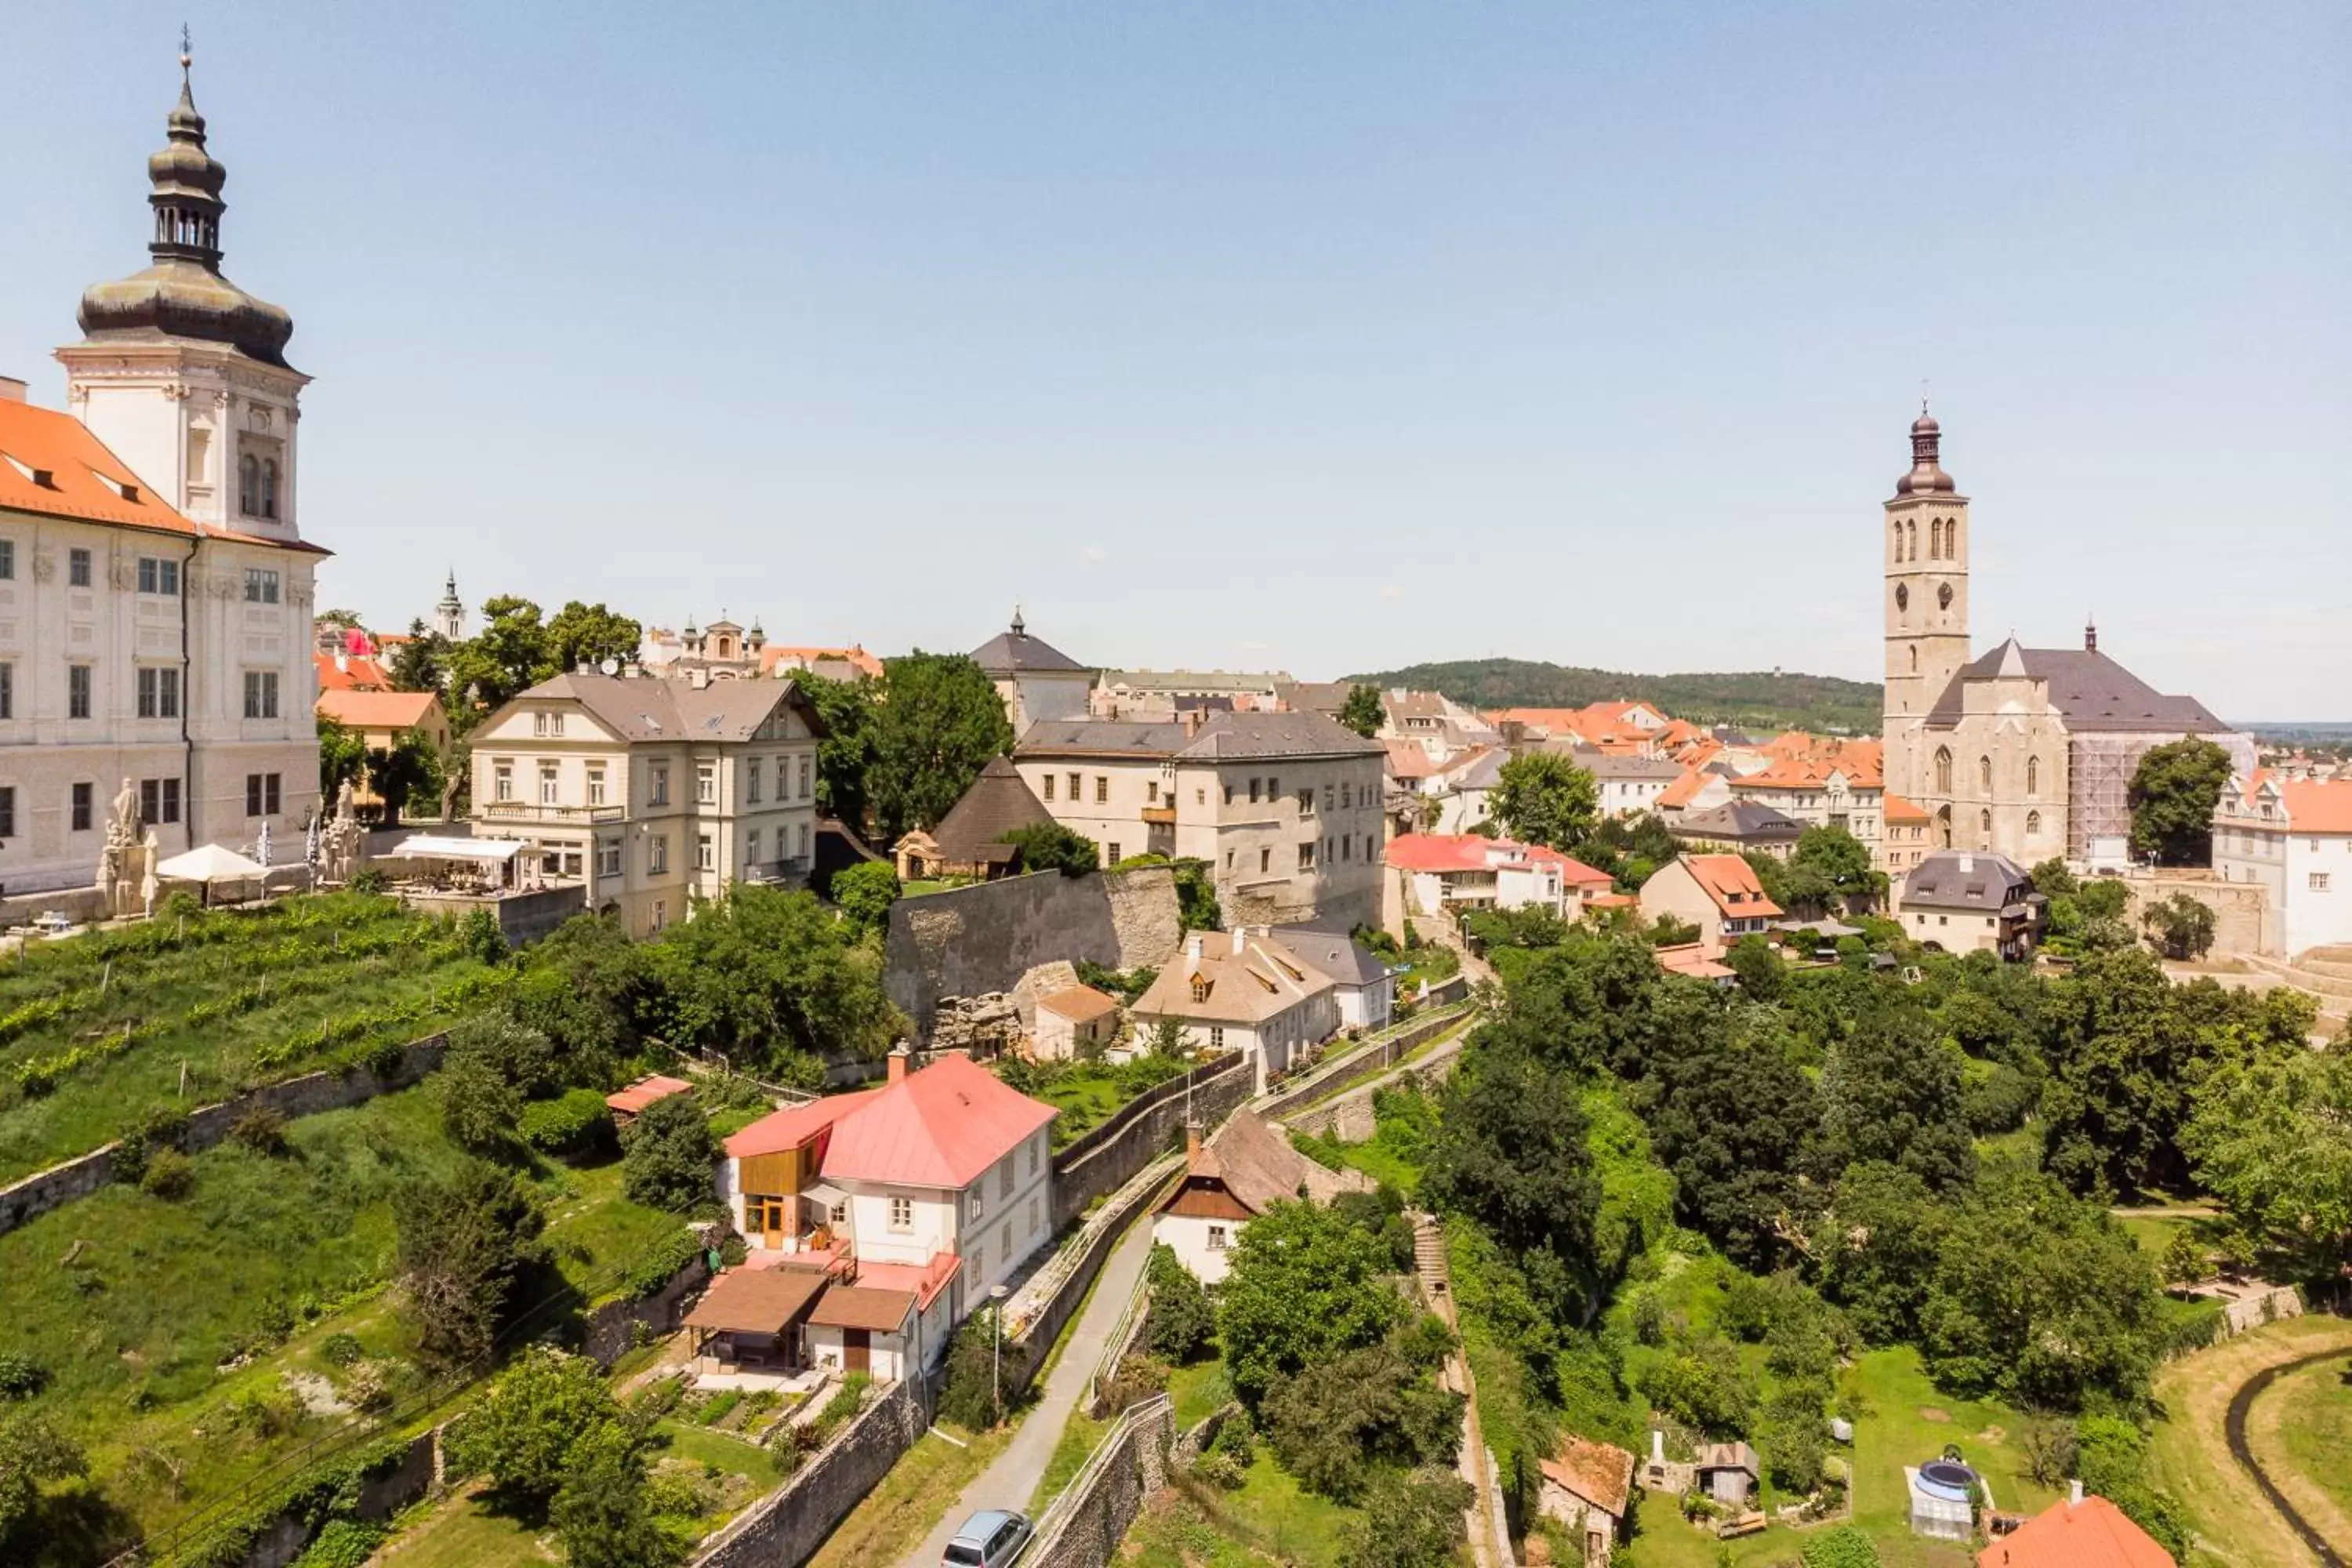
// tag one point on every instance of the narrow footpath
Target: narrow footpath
(1008, 1481)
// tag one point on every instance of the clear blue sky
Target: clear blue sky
(1317, 337)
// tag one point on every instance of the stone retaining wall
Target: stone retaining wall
(1086, 1523)
(207, 1125)
(1369, 1061)
(785, 1528)
(1349, 1115)
(611, 1329)
(1108, 1156)
(1026, 1349)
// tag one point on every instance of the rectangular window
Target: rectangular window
(803, 832)
(157, 575)
(706, 853)
(1004, 1240)
(1306, 802)
(1077, 789)
(661, 913)
(751, 782)
(7, 559)
(77, 684)
(780, 776)
(159, 801)
(706, 784)
(1033, 1217)
(608, 857)
(1307, 856)
(7, 811)
(751, 847)
(1151, 792)
(2319, 881)
(8, 690)
(1033, 1156)
(1216, 1036)
(595, 783)
(979, 1264)
(658, 855)
(260, 586)
(1273, 790)
(1102, 789)
(84, 800)
(1265, 860)
(1254, 792)
(902, 1213)
(261, 694)
(1005, 1180)
(538, 724)
(1216, 1239)
(808, 789)
(501, 780)
(976, 1202)
(252, 795)
(1111, 857)
(1049, 786)
(839, 1213)
(78, 568)
(660, 794)
(1328, 797)
(548, 779)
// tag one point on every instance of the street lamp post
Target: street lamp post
(996, 1355)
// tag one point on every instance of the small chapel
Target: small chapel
(2029, 752)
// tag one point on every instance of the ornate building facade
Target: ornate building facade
(2026, 751)
(155, 590)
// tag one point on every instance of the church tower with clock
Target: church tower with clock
(1927, 600)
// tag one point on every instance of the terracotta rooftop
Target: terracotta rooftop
(360, 710)
(862, 1307)
(646, 1092)
(1079, 1003)
(1731, 882)
(1598, 1473)
(2092, 1533)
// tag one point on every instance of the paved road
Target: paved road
(2236, 1429)
(1008, 1482)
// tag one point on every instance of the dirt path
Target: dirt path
(2206, 1401)
(2254, 1434)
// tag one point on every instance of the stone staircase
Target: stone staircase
(2322, 973)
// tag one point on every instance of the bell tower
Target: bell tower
(1926, 545)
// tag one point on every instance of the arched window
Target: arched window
(1984, 828)
(1984, 777)
(2033, 824)
(1936, 540)
(1911, 539)
(1915, 658)
(248, 485)
(1942, 770)
(2033, 775)
(269, 487)
(1898, 539)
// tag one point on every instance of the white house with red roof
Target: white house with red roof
(939, 1186)
(1452, 872)
(1718, 893)
(2291, 838)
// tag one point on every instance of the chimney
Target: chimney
(11, 389)
(900, 1054)
(1192, 1141)
(1241, 936)
(2074, 1493)
(1191, 722)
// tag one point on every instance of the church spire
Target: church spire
(187, 180)
(1927, 476)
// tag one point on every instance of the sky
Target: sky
(1311, 337)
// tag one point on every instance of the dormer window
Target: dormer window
(1200, 988)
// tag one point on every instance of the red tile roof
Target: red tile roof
(377, 709)
(1895, 808)
(856, 658)
(57, 468)
(1470, 852)
(2313, 805)
(926, 1280)
(1408, 760)
(1597, 1473)
(352, 673)
(1731, 882)
(1684, 790)
(1690, 958)
(646, 1092)
(2092, 1533)
(940, 1127)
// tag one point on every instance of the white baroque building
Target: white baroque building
(155, 590)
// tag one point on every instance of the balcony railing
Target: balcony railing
(528, 811)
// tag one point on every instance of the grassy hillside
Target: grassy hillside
(1760, 699)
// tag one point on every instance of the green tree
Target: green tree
(2051, 879)
(479, 1109)
(340, 620)
(938, 723)
(588, 635)
(1305, 1285)
(2271, 1137)
(671, 1157)
(1412, 1521)
(1544, 798)
(1892, 1091)
(522, 1434)
(512, 652)
(464, 1243)
(763, 973)
(342, 756)
(1839, 861)
(1762, 974)
(31, 1451)
(1335, 1422)
(1050, 847)
(1361, 712)
(2173, 794)
(421, 663)
(2181, 924)
(600, 1512)
(864, 892)
(1181, 1319)
(1737, 1120)
(409, 766)
(972, 1395)
(844, 752)
(1512, 1152)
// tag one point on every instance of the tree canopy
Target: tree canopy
(1544, 798)
(464, 1243)
(2173, 794)
(762, 973)
(2273, 1138)
(1304, 1286)
(1362, 711)
(937, 724)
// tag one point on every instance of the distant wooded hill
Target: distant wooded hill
(1763, 699)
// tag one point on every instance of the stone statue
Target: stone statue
(151, 852)
(344, 810)
(125, 820)
(120, 861)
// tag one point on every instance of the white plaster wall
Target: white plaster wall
(1188, 1237)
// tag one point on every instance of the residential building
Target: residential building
(1699, 789)
(1453, 874)
(1158, 694)
(156, 590)
(1361, 981)
(1463, 787)
(1741, 825)
(938, 1185)
(1585, 1485)
(1621, 728)
(1284, 808)
(1435, 722)
(1903, 843)
(970, 839)
(1245, 991)
(1840, 785)
(349, 660)
(2292, 837)
(1630, 784)
(1073, 1022)
(1243, 1170)
(2083, 1532)
(846, 664)
(1036, 680)
(1718, 893)
(2029, 752)
(380, 718)
(1961, 901)
(1329, 697)
(652, 792)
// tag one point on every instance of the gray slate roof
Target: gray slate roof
(1977, 880)
(2093, 691)
(645, 709)
(1737, 819)
(999, 802)
(1223, 737)
(1014, 651)
(1326, 947)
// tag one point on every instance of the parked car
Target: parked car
(990, 1539)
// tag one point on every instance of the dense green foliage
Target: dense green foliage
(1361, 712)
(1050, 847)
(844, 752)
(668, 1156)
(762, 973)
(463, 1243)
(864, 892)
(2181, 925)
(935, 723)
(1542, 798)
(31, 1451)
(1181, 1319)
(2173, 794)
(1305, 1286)
(2273, 1139)
(1759, 699)
(516, 649)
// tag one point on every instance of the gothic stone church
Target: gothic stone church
(2026, 750)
